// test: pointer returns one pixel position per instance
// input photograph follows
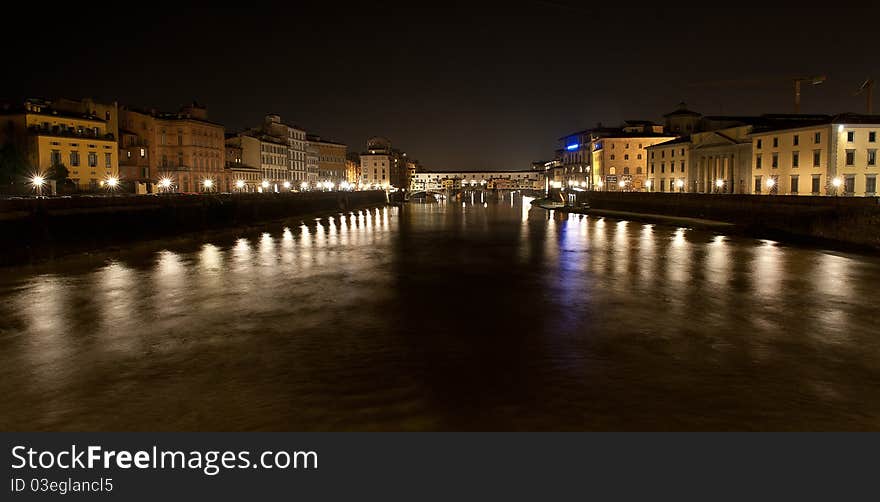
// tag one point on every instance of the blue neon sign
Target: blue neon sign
(573, 146)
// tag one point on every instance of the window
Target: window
(625, 170)
(639, 157)
(775, 160)
(652, 168)
(93, 159)
(55, 157)
(757, 184)
(74, 159)
(672, 152)
(662, 154)
(759, 144)
(795, 159)
(180, 159)
(652, 155)
(682, 152)
(179, 138)
(849, 183)
(795, 140)
(870, 184)
(612, 156)
(108, 160)
(794, 184)
(626, 157)
(872, 157)
(817, 156)
(817, 178)
(775, 142)
(162, 138)
(758, 161)
(850, 136)
(143, 153)
(872, 136)
(682, 166)
(817, 138)
(850, 157)
(663, 185)
(662, 167)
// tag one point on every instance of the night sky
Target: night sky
(456, 86)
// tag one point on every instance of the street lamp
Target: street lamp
(836, 183)
(165, 184)
(208, 184)
(286, 184)
(38, 181)
(771, 182)
(112, 182)
(265, 185)
(239, 184)
(304, 186)
(679, 184)
(648, 184)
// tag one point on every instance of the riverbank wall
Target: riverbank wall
(30, 227)
(847, 220)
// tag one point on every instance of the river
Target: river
(446, 316)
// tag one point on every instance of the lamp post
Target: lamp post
(836, 182)
(265, 185)
(165, 184)
(239, 185)
(38, 181)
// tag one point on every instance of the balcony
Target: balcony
(66, 132)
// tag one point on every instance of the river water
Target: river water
(449, 316)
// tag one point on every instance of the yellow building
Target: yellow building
(835, 157)
(618, 155)
(83, 142)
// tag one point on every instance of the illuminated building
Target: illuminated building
(384, 166)
(81, 135)
(830, 155)
(184, 147)
(331, 159)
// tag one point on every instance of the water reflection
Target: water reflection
(484, 315)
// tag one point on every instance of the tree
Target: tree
(61, 175)
(14, 167)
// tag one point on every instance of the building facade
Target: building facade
(331, 159)
(618, 156)
(184, 147)
(79, 137)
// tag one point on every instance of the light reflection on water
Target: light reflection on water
(482, 315)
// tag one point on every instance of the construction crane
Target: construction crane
(816, 80)
(761, 82)
(867, 88)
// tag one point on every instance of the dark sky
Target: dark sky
(458, 86)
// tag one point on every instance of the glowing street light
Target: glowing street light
(719, 183)
(286, 184)
(38, 181)
(165, 184)
(239, 184)
(771, 183)
(265, 184)
(621, 184)
(112, 182)
(648, 184)
(208, 184)
(679, 183)
(836, 182)
(304, 186)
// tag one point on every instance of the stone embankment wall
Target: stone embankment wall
(27, 225)
(852, 220)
